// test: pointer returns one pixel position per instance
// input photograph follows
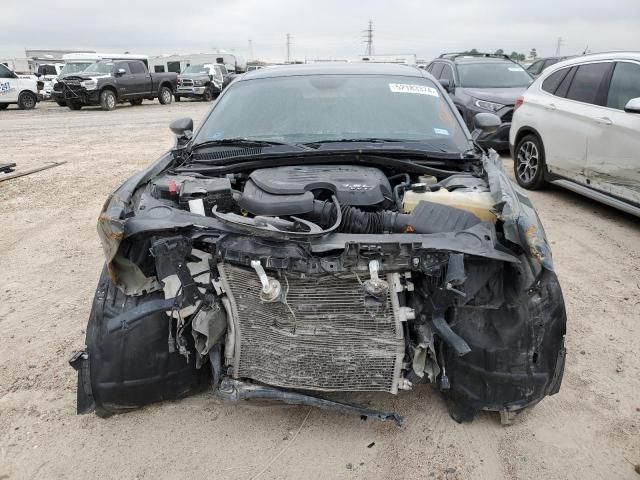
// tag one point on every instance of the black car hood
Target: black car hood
(505, 96)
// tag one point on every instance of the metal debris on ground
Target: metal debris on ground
(7, 167)
(30, 171)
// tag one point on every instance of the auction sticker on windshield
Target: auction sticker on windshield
(407, 88)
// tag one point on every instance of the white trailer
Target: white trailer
(178, 62)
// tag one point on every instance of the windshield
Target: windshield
(196, 69)
(302, 109)
(493, 75)
(100, 67)
(74, 67)
(223, 69)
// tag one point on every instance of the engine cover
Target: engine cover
(288, 190)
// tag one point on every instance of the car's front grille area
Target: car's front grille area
(226, 153)
(326, 334)
(186, 83)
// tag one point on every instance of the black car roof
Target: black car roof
(471, 59)
(334, 69)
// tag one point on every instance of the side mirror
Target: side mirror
(485, 123)
(183, 129)
(633, 106)
(446, 84)
(120, 72)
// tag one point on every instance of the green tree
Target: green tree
(499, 52)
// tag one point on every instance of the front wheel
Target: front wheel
(177, 98)
(61, 103)
(165, 95)
(4, 106)
(107, 100)
(74, 105)
(27, 101)
(207, 96)
(529, 163)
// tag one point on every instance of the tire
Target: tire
(177, 98)
(74, 105)
(207, 96)
(529, 165)
(108, 100)
(27, 101)
(136, 102)
(165, 95)
(4, 106)
(61, 103)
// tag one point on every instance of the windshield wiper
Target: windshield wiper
(376, 140)
(246, 142)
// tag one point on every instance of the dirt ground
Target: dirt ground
(50, 259)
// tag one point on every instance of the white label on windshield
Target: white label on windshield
(419, 89)
(441, 131)
(516, 69)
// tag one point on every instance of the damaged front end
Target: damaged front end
(293, 281)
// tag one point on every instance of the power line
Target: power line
(288, 48)
(369, 39)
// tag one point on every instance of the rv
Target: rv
(178, 63)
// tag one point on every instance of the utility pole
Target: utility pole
(250, 50)
(559, 44)
(369, 39)
(288, 48)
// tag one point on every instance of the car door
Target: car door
(124, 80)
(613, 152)
(9, 88)
(140, 79)
(568, 119)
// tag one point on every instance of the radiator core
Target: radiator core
(325, 334)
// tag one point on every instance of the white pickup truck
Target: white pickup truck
(15, 89)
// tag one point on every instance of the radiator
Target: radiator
(325, 335)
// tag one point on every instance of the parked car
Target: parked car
(578, 126)
(200, 81)
(347, 236)
(227, 76)
(482, 83)
(48, 75)
(537, 67)
(106, 83)
(19, 90)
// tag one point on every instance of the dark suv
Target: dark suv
(482, 83)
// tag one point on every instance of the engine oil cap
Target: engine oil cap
(419, 187)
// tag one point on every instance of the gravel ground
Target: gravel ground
(50, 262)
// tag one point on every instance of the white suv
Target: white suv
(578, 126)
(17, 89)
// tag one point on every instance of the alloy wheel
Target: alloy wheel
(528, 161)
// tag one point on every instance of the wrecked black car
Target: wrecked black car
(347, 236)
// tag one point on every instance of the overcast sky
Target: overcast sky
(319, 29)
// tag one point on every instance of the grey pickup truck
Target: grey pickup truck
(107, 83)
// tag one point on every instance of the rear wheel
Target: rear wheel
(207, 96)
(137, 101)
(27, 101)
(529, 162)
(4, 106)
(61, 103)
(74, 105)
(107, 100)
(165, 95)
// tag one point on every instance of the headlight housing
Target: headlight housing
(490, 106)
(91, 84)
(198, 83)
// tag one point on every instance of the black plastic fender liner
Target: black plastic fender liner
(127, 369)
(517, 351)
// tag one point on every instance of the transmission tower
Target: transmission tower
(368, 35)
(559, 45)
(288, 48)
